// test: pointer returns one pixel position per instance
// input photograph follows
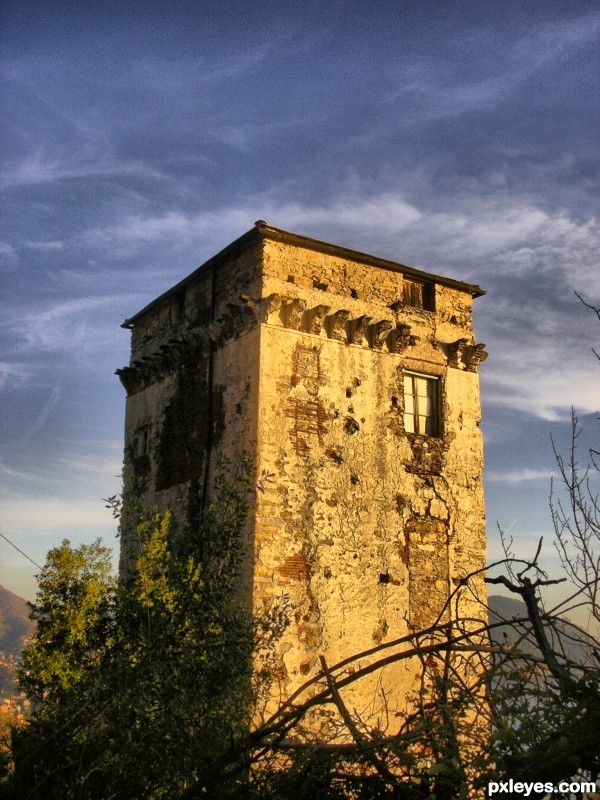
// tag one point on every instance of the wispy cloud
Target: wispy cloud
(29, 477)
(55, 326)
(45, 411)
(173, 229)
(76, 472)
(48, 246)
(99, 465)
(56, 517)
(8, 254)
(46, 166)
(431, 90)
(519, 475)
(189, 75)
(549, 41)
(13, 376)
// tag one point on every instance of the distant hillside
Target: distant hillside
(507, 608)
(15, 627)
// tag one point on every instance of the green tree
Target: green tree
(73, 621)
(138, 687)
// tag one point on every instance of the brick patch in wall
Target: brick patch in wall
(295, 567)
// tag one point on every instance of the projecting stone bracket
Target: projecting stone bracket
(335, 324)
(214, 331)
(401, 338)
(264, 308)
(237, 320)
(379, 333)
(293, 313)
(358, 330)
(314, 319)
(128, 378)
(473, 356)
(461, 352)
(157, 364)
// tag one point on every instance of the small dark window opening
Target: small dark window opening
(142, 441)
(354, 294)
(384, 577)
(178, 307)
(417, 294)
(348, 392)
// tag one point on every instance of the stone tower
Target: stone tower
(353, 382)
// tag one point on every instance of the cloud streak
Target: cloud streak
(516, 476)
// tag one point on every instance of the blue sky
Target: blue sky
(140, 138)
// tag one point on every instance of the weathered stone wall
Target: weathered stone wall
(301, 356)
(366, 527)
(191, 386)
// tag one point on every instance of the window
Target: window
(417, 294)
(421, 404)
(142, 441)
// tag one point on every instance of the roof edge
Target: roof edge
(279, 234)
(262, 230)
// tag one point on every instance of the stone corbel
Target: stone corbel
(236, 321)
(273, 304)
(143, 369)
(473, 356)
(314, 318)
(197, 335)
(264, 308)
(379, 332)
(336, 324)
(359, 330)
(166, 351)
(129, 379)
(177, 345)
(214, 331)
(255, 306)
(456, 351)
(293, 312)
(401, 338)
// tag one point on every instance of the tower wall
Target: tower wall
(366, 527)
(311, 358)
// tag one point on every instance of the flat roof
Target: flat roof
(262, 230)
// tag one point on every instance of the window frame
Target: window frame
(433, 421)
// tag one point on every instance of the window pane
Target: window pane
(420, 405)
